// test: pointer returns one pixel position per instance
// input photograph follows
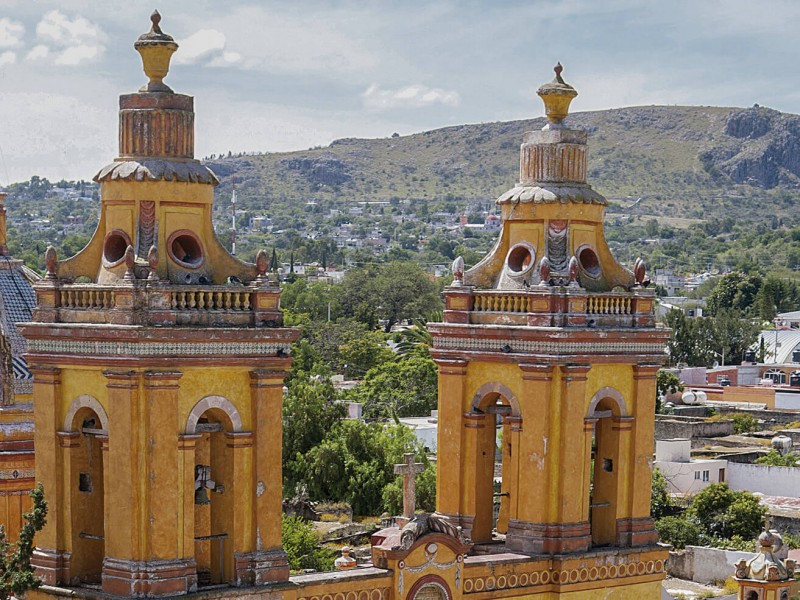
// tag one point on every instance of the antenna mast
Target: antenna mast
(233, 218)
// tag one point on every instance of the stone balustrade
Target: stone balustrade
(550, 307)
(159, 303)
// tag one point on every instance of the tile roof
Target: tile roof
(17, 301)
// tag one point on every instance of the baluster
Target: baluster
(237, 304)
(628, 306)
(173, 300)
(183, 304)
(227, 296)
(246, 301)
(590, 305)
(218, 302)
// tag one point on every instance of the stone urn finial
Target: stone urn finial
(557, 96)
(156, 49)
(544, 271)
(130, 263)
(573, 272)
(262, 264)
(639, 271)
(345, 562)
(458, 271)
(51, 262)
(152, 261)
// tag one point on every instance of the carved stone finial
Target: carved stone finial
(557, 96)
(155, 18)
(51, 262)
(152, 261)
(639, 271)
(544, 271)
(458, 271)
(262, 264)
(130, 262)
(156, 49)
(573, 272)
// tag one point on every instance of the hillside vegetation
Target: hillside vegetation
(688, 162)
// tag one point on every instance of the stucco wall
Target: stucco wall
(770, 481)
(704, 565)
(690, 427)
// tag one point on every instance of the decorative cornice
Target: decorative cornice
(155, 349)
(547, 347)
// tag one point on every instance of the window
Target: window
(697, 475)
(705, 475)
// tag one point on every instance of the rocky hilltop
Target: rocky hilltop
(659, 153)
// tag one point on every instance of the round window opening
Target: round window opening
(185, 249)
(520, 259)
(114, 247)
(589, 262)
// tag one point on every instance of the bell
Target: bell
(201, 496)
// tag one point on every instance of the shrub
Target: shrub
(775, 459)
(301, 544)
(744, 423)
(678, 531)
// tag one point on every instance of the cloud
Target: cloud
(410, 96)
(11, 33)
(207, 47)
(38, 52)
(72, 41)
(8, 58)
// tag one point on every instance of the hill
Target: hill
(695, 162)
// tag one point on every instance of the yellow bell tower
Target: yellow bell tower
(549, 345)
(159, 361)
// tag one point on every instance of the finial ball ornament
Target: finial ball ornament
(557, 96)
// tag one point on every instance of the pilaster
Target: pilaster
(450, 435)
(50, 558)
(265, 560)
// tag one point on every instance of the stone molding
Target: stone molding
(209, 402)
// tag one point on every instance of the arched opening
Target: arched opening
(85, 440)
(777, 376)
(606, 410)
(430, 587)
(213, 493)
(498, 410)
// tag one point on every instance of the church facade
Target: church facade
(159, 361)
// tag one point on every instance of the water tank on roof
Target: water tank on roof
(782, 443)
(694, 397)
(750, 356)
(794, 379)
(796, 355)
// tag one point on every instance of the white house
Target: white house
(686, 476)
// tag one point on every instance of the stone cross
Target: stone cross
(408, 469)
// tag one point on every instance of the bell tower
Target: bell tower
(549, 350)
(159, 361)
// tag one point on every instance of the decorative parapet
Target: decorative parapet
(158, 303)
(549, 307)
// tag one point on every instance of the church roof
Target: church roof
(17, 300)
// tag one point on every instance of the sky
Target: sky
(289, 75)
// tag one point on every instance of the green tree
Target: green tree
(775, 459)
(16, 573)
(723, 512)
(659, 498)
(666, 383)
(735, 290)
(399, 388)
(310, 412)
(678, 531)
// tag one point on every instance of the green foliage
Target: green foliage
(301, 544)
(399, 388)
(775, 459)
(678, 531)
(666, 383)
(356, 462)
(424, 492)
(724, 513)
(16, 573)
(743, 423)
(388, 292)
(310, 412)
(659, 498)
(703, 340)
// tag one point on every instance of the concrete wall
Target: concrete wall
(687, 477)
(770, 481)
(787, 399)
(770, 417)
(671, 427)
(704, 565)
